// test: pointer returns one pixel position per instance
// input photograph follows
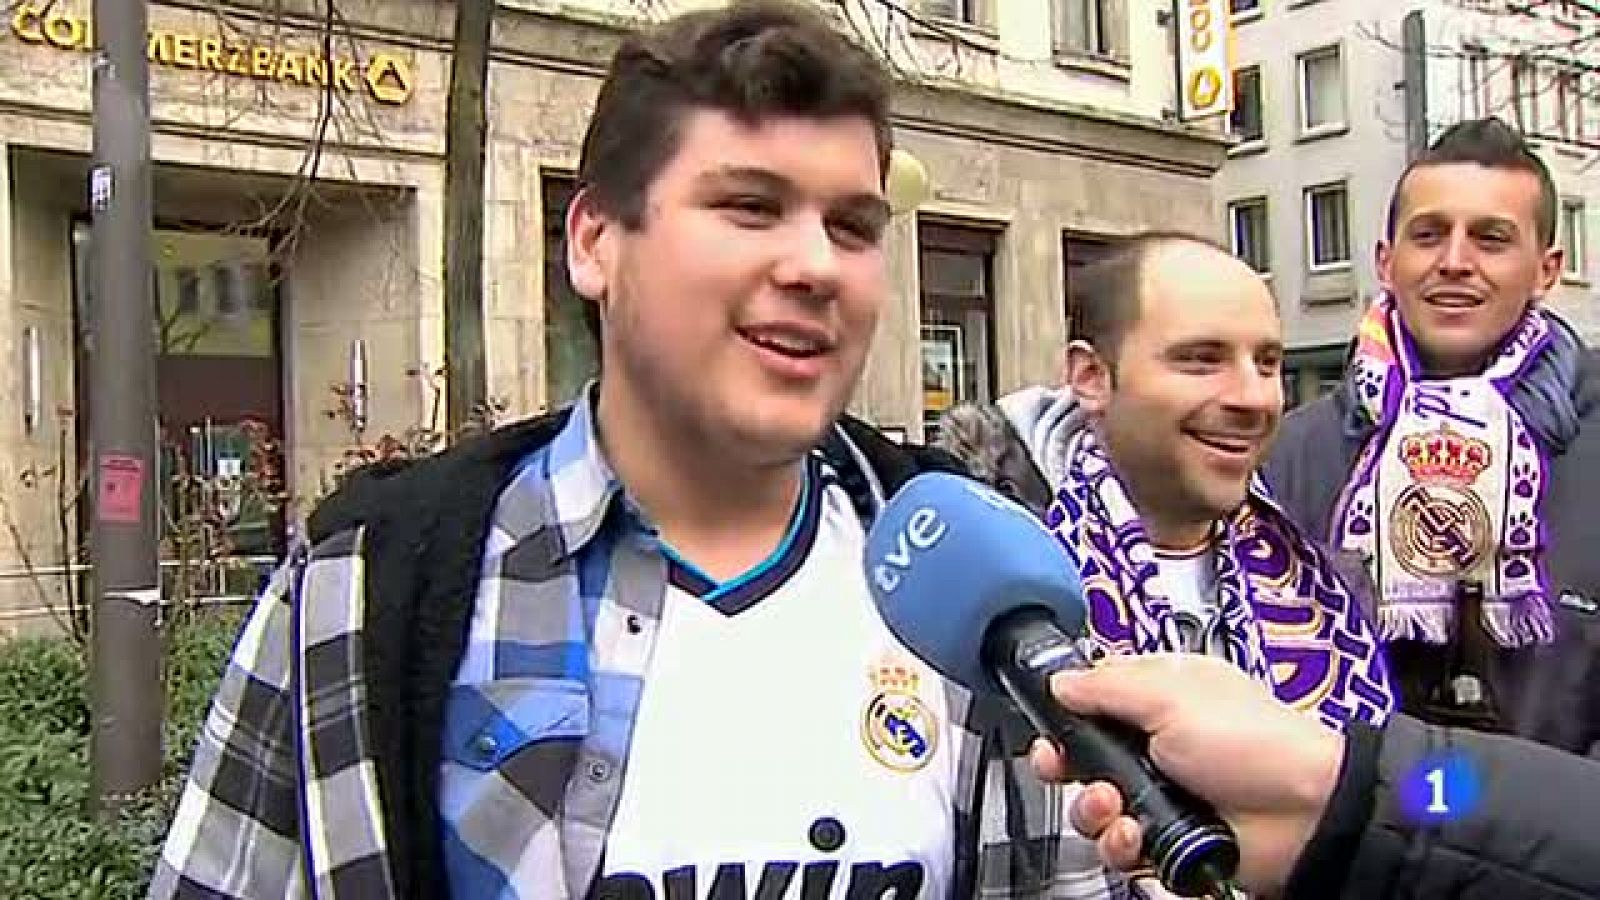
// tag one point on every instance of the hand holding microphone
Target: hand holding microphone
(1269, 769)
(973, 585)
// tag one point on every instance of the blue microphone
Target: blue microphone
(974, 586)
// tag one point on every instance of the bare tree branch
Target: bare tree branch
(1519, 70)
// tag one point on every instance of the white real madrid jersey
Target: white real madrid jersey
(1190, 580)
(786, 745)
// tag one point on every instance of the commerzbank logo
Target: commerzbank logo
(385, 76)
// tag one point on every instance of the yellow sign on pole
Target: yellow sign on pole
(1205, 76)
(385, 76)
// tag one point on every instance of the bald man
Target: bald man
(1144, 465)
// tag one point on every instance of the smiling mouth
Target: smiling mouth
(1454, 301)
(1232, 445)
(793, 346)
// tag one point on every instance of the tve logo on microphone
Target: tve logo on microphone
(925, 527)
(922, 530)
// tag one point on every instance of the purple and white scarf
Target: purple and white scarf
(1287, 618)
(1447, 488)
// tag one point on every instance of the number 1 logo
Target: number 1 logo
(1437, 806)
(1441, 788)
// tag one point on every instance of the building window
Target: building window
(188, 291)
(1244, 10)
(1321, 74)
(1582, 123)
(572, 355)
(955, 265)
(1588, 104)
(1092, 28)
(1078, 250)
(1327, 227)
(1569, 105)
(1244, 121)
(1312, 372)
(1525, 95)
(954, 10)
(235, 291)
(1475, 82)
(259, 277)
(1573, 237)
(1247, 229)
(1581, 85)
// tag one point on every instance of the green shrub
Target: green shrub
(49, 846)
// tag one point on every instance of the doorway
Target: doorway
(220, 403)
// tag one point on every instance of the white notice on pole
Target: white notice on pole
(99, 188)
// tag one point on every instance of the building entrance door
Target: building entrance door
(219, 389)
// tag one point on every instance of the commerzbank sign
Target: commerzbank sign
(384, 76)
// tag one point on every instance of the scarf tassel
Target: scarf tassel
(1520, 623)
(1510, 624)
(1428, 623)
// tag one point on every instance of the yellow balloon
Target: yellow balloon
(908, 186)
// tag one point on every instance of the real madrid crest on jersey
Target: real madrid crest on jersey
(897, 728)
(1440, 526)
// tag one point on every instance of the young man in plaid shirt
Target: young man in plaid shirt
(627, 650)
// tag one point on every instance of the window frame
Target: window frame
(1574, 264)
(1079, 249)
(1235, 208)
(1102, 44)
(1260, 140)
(1475, 78)
(1309, 195)
(1302, 96)
(973, 238)
(1255, 11)
(1525, 95)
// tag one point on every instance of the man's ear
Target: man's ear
(1089, 376)
(1382, 260)
(590, 246)
(1550, 268)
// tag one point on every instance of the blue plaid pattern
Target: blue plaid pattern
(282, 797)
(282, 800)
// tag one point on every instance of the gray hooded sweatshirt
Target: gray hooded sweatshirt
(1019, 444)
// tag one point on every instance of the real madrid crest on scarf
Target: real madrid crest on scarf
(1439, 523)
(897, 727)
(1447, 489)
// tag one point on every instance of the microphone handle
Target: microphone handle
(1194, 852)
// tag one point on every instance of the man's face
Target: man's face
(740, 311)
(1466, 260)
(1192, 401)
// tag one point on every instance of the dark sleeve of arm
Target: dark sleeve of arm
(1532, 835)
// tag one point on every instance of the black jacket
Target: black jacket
(1530, 836)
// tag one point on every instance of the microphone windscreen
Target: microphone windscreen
(948, 555)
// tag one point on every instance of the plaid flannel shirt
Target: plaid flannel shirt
(282, 799)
